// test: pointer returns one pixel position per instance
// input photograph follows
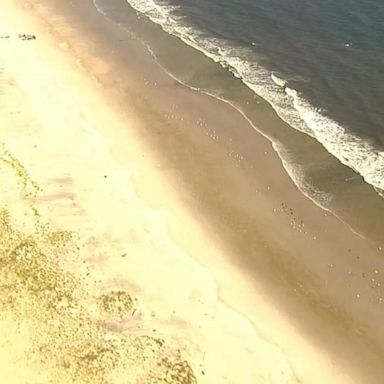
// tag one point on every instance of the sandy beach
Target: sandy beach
(150, 235)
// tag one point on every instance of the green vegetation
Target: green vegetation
(37, 293)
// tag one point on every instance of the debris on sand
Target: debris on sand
(23, 36)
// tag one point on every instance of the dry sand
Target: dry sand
(112, 272)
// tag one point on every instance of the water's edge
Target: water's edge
(295, 147)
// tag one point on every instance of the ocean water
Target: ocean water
(319, 64)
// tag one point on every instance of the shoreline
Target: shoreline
(300, 122)
(317, 173)
(185, 216)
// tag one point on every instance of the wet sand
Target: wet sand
(175, 200)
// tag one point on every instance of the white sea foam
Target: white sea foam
(352, 150)
(357, 153)
(235, 59)
(278, 80)
(297, 174)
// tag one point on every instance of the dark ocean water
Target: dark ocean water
(319, 64)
